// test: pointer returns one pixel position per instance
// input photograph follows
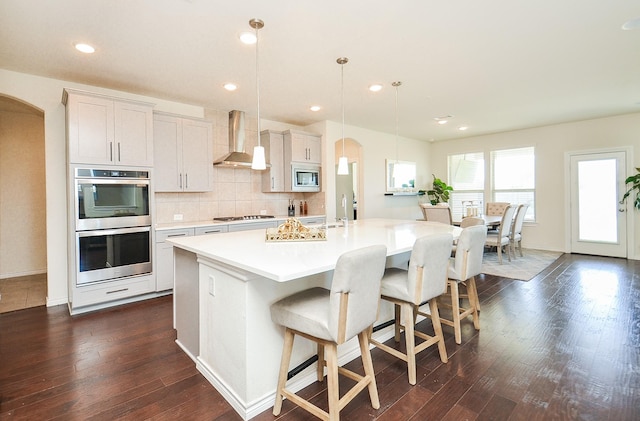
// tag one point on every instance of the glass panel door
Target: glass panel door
(598, 221)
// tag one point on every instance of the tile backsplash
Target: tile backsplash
(235, 192)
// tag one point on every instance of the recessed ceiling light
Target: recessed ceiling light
(375, 88)
(230, 86)
(315, 108)
(247, 37)
(631, 24)
(444, 119)
(85, 48)
(463, 128)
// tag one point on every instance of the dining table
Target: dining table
(491, 221)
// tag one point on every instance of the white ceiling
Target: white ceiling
(495, 65)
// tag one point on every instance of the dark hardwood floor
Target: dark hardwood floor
(565, 345)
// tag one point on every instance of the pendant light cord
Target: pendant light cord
(258, 83)
(342, 100)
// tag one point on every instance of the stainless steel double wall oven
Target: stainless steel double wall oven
(113, 224)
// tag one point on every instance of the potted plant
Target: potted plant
(634, 180)
(440, 191)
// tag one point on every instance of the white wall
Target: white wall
(552, 143)
(376, 148)
(22, 194)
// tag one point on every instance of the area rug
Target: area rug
(521, 268)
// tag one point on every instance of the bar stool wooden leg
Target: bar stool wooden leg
(331, 353)
(321, 363)
(367, 362)
(437, 328)
(472, 291)
(284, 369)
(398, 323)
(455, 310)
(410, 340)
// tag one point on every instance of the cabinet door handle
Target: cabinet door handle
(273, 183)
(180, 180)
(111, 151)
(177, 235)
(118, 290)
(119, 159)
(186, 180)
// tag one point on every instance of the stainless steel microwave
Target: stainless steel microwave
(305, 178)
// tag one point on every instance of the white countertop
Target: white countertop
(195, 224)
(285, 261)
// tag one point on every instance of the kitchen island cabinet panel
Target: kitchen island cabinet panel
(105, 130)
(183, 154)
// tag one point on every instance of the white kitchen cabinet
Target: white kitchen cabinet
(106, 130)
(211, 229)
(164, 257)
(273, 177)
(302, 147)
(183, 149)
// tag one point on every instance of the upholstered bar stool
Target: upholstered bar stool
(331, 318)
(425, 280)
(463, 269)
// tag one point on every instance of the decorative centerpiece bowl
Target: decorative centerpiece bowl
(293, 230)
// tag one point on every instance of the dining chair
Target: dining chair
(471, 221)
(330, 318)
(515, 237)
(436, 213)
(496, 208)
(500, 238)
(462, 271)
(422, 283)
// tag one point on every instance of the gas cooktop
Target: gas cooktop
(243, 218)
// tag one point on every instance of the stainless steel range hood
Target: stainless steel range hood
(237, 157)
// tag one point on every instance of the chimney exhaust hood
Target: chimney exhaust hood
(237, 157)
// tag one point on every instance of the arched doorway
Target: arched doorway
(348, 188)
(23, 245)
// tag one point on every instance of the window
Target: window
(513, 177)
(466, 172)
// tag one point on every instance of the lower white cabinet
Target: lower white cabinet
(164, 257)
(98, 295)
(164, 266)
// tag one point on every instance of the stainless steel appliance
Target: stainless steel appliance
(305, 178)
(107, 198)
(113, 224)
(112, 253)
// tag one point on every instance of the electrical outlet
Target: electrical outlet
(177, 217)
(212, 286)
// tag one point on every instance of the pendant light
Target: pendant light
(258, 162)
(343, 163)
(396, 85)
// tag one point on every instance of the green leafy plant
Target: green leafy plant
(440, 191)
(634, 180)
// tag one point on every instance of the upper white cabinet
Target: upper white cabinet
(302, 147)
(273, 177)
(183, 149)
(106, 130)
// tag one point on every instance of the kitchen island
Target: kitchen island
(225, 284)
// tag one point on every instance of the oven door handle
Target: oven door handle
(115, 231)
(92, 181)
